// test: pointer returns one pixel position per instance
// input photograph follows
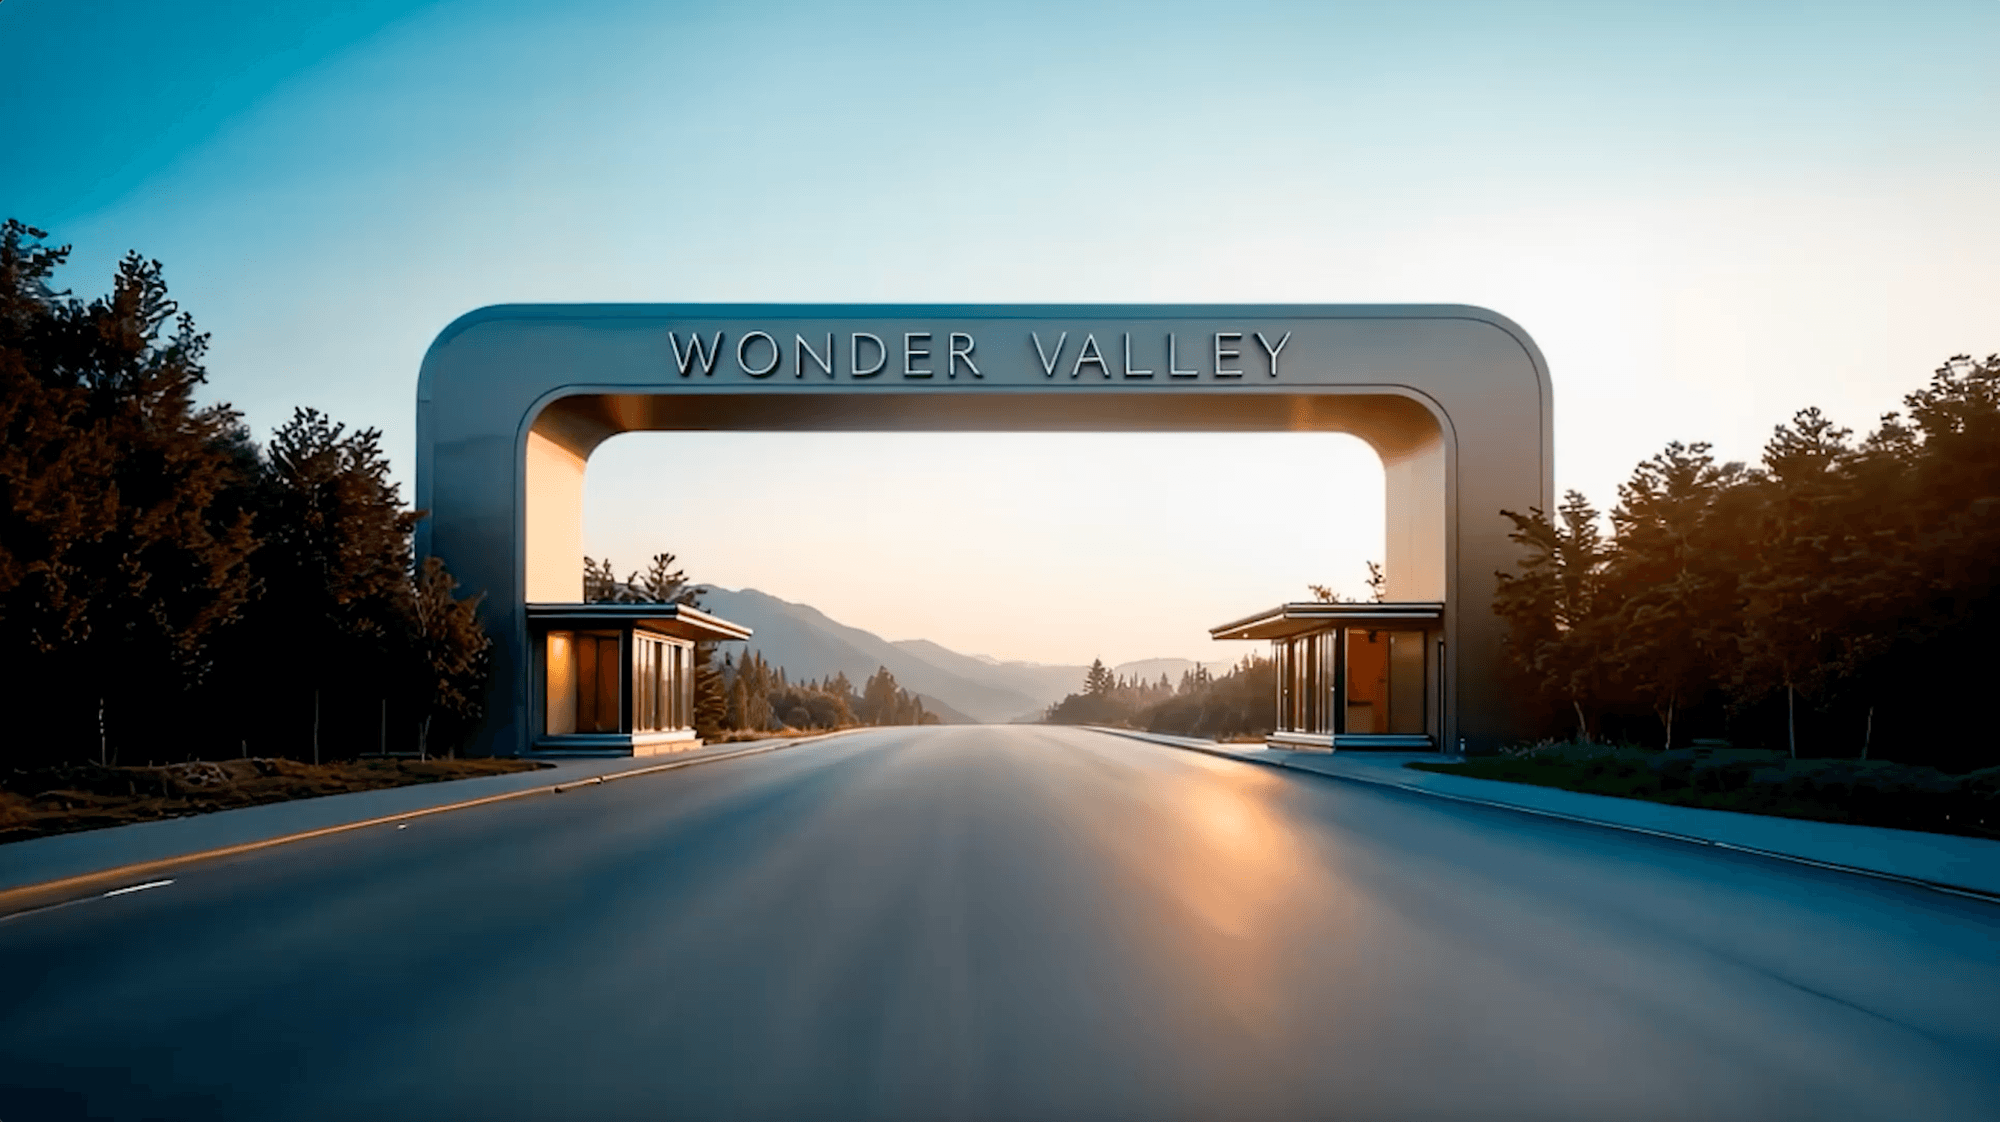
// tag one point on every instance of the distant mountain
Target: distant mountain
(1049, 683)
(946, 715)
(808, 644)
(1150, 669)
(959, 688)
(1044, 684)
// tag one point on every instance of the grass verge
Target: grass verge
(59, 800)
(1856, 792)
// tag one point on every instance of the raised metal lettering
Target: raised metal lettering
(911, 353)
(695, 352)
(1222, 352)
(743, 354)
(1129, 372)
(1273, 350)
(1048, 360)
(961, 353)
(802, 350)
(854, 354)
(1089, 354)
(1173, 362)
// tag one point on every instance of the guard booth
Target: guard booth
(618, 679)
(1353, 675)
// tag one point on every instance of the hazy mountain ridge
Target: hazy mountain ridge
(1040, 683)
(1049, 683)
(809, 644)
(959, 688)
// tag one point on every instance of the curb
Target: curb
(1691, 839)
(27, 898)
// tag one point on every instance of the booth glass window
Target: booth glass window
(661, 684)
(1307, 667)
(583, 678)
(685, 695)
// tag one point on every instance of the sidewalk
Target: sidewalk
(29, 867)
(1935, 860)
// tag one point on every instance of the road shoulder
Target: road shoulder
(40, 871)
(1942, 861)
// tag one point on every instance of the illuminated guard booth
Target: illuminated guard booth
(618, 679)
(1353, 675)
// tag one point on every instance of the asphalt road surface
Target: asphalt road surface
(1007, 923)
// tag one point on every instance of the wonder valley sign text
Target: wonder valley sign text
(920, 355)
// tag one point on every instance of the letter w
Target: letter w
(696, 353)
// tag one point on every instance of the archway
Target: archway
(1456, 401)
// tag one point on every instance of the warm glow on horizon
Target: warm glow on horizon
(1036, 547)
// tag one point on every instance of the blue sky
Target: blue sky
(1707, 215)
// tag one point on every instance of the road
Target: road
(1007, 923)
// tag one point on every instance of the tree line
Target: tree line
(762, 698)
(1238, 703)
(170, 588)
(749, 695)
(1837, 598)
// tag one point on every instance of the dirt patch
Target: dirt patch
(59, 800)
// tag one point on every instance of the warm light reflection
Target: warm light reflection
(1231, 878)
(1239, 875)
(1237, 860)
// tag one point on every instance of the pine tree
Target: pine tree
(115, 564)
(1097, 681)
(1555, 606)
(663, 583)
(1674, 589)
(1793, 606)
(600, 581)
(335, 571)
(453, 657)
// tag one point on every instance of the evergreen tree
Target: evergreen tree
(1556, 606)
(1097, 681)
(1784, 603)
(1675, 584)
(454, 657)
(600, 581)
(117, 568)
(334, 569)
(1792, 596)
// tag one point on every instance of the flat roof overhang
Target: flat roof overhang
(677, 620)
(1287, 620)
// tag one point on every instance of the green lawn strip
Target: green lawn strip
(1855, 792)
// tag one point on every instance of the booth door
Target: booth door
(1384, 692)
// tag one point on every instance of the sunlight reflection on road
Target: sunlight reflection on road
(1231, 883)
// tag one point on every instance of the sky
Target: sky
(1707, 215)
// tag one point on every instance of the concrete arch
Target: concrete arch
(512, 400)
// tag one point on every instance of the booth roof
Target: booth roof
(677, 620)
(1296, 619)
